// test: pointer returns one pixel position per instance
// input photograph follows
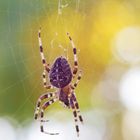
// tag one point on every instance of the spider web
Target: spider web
(20, 65)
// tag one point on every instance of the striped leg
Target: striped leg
(77, 81)
(45, 82)
(77, 108)
(40, 99)
(42, 115)
(75, 56)
(75, 116)
(41, 52)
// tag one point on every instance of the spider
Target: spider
(60, 75)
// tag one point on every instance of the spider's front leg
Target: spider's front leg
(46, 67)
(77, 107)
(75, 56)
(74, 97)
(40, 99)
(76, 111)
(75, 115)
(42, 115)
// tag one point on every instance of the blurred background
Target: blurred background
(107, 37)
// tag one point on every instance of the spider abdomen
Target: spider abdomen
(60, 74)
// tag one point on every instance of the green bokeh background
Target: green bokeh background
(92, 25)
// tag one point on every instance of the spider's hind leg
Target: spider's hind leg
(75, 56)
(45, 81)
(46, 67)
(77, 81)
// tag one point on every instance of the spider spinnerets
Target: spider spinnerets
(61, 76)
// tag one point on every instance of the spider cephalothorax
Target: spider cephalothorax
(60, 75)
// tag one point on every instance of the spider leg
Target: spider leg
(75, 116)
(42, 115)
(45, 82)
(77, 107)
(41, 52)
(75, 56)
(77, 81)
(40, 99)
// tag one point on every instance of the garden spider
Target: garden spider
(60, 75)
